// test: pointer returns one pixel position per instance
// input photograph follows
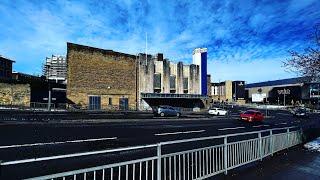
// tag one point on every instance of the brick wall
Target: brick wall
(105, 73)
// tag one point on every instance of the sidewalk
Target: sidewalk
(295, 164)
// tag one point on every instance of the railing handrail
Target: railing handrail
(137, 147)
(222, 136)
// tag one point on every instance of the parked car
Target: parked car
(218, 111)
(166, 111)
(252, 115)
(300, 112)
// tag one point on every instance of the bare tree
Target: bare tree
(307, 64)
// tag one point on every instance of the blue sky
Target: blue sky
(246, 40)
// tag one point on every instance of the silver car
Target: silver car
(163, 111)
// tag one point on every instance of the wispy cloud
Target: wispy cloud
(252, 34)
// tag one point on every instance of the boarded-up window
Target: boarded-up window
(157, 81)
(185, 84)
(172, 82)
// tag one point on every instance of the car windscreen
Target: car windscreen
(249, 112)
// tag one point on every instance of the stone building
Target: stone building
(105, 79)
(101, 79)
(163, 82)
(228, 91)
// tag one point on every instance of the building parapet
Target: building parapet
(170, 95)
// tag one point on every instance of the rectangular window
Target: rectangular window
(94, 102)
(110, 101)
(124, 104)
(185, 84)
(172, 82)
(157, 81)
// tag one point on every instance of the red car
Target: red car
(252, 115)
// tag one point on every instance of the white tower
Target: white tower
(199, 57)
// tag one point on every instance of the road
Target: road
(24, 140)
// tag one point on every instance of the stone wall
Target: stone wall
(228, 91)
(15, 94)
(180, 78)
(99, 72)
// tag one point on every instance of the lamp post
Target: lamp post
(49, 88)
(318, 94)
(284, 97)
(219, 91)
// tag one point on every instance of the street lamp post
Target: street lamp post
(49, 87)
(318, 94)
(284, 97)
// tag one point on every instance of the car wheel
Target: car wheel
(178, 115)
(218, 114)
(162, 114)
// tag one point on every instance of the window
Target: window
(157, 81)
(94, 102)
(172, 82)
(124, 104)
(110, 101)
(185, 84)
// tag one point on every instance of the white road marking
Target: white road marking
(180, 132)
(285, 114)
(280, 123)
(51, 143)
(230, 128)
(264, 125)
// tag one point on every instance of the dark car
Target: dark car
(300, 112)
(166, 111)
(251, 116)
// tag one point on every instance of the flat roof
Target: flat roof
(279, 82)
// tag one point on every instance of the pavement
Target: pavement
(295, 164)
(24, 139)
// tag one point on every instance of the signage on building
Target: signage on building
(258, 97)
(284, 91)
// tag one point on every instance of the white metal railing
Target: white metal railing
(197, 163)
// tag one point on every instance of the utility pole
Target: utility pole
(49, 87)
(284, 97)
(219, 91)
(318, 94)
(235, 91)
(266, 105)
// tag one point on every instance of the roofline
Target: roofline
(281, 85)
(7, 58)
(70, 44)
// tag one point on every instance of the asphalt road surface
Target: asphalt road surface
(23, 140)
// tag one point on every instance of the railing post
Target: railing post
(225, 154)
(301, 138)
(288, 131)
(260, 146)
(159, 161)
(271, 143)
